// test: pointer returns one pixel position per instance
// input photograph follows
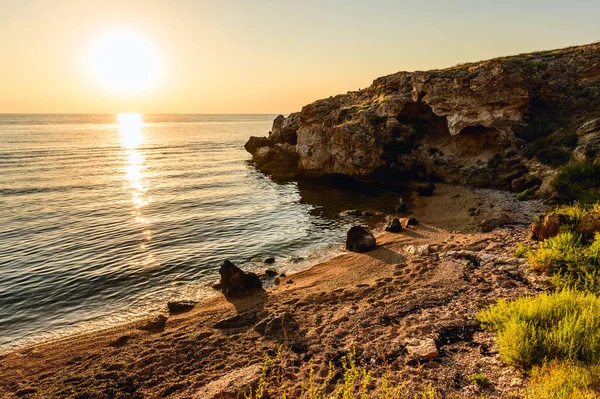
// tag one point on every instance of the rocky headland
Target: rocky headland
(505, 123)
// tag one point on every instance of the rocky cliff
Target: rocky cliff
(505, 123)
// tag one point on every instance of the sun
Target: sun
(125, 62)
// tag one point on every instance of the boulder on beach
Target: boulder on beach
(236, 282)
(393, 225)
(410, 222)
(358, 239)
(426, 191)
(269, 260)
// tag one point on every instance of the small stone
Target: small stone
(402, 208)
(271, 272)
(181, 306)
(269, 260)
(410, 222)
(426, 191)
(393, 225)
(351, 213)
(419, 250)
(121, 341)
(422, 349)
(289, 281)
(157, 323)
(233, 385)
(277, 323)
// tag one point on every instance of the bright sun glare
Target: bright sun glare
(125, 62)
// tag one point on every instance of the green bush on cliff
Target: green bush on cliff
(571, 261)
(553, 156)
(578, 181)
(562, 325)
(564, 380)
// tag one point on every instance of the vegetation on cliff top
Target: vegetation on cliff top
(555, 337)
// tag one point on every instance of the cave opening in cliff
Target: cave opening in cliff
(416, 123)
(477, 140)
(423, 120)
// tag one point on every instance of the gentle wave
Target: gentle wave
(93, 233)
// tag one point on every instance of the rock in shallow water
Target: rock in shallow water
(358, 239)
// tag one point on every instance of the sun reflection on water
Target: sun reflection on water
(132, 136)
(130, 127)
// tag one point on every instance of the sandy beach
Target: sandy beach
(417, 285)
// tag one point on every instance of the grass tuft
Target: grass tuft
(564, 380)
(352, 382)
(560, 325)
(479, 379)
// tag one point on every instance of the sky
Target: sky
(254, 56)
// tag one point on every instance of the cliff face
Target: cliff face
(504, 123)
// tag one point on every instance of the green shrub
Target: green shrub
(570, 261)
(564, 380)
(522, 196)
(553, 156)
(576, 211)
(556, 253)
(479, 379)
(539, 127)
(495, 161)
(522, 250)
(576, 181)
(560, 325)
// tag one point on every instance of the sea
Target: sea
(105, 218)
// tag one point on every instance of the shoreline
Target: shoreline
(341, 303)
(89, 328)
(422, 207)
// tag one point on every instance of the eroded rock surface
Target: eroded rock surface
(474, 124)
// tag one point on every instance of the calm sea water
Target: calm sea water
(103, 219)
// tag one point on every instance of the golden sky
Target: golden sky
(254, 56)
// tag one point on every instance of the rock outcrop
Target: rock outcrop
(235, 282)
(498, 123)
